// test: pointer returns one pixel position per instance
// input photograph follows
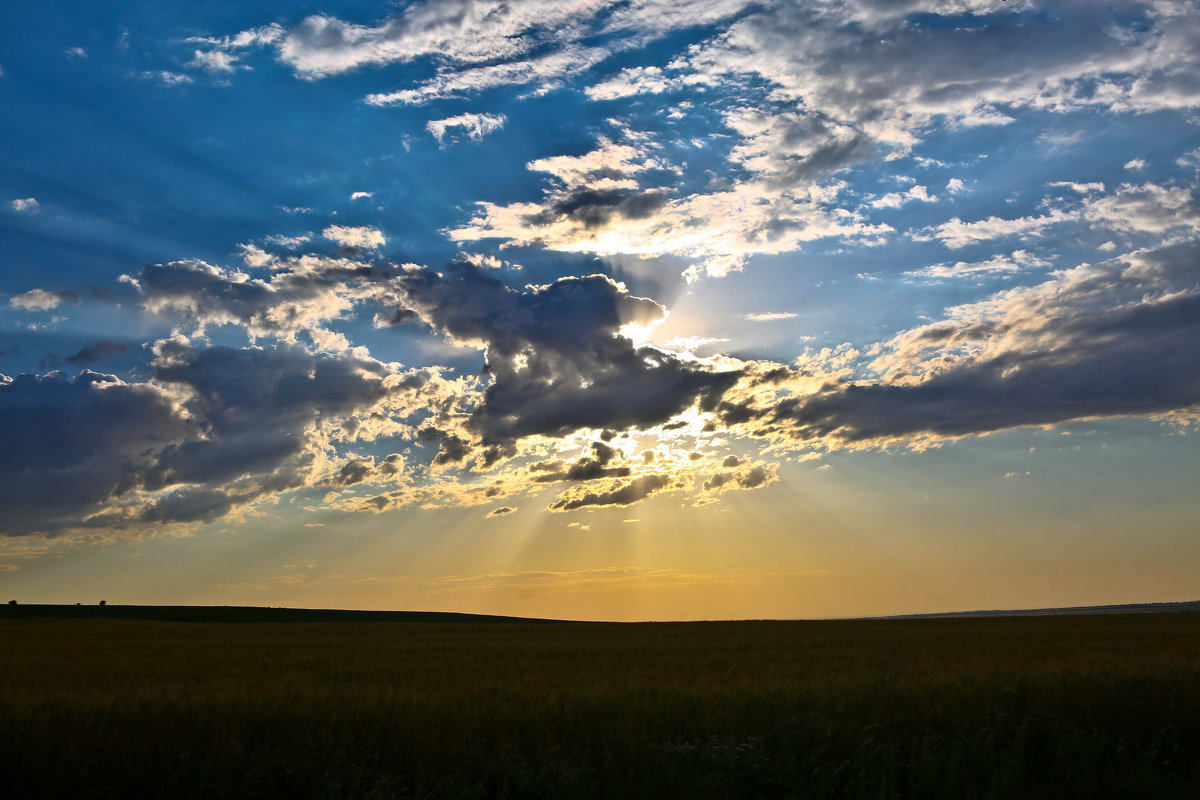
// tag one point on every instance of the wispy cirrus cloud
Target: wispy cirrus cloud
(956, 234)
(770, 316)
(1013, 262)
(474, 126)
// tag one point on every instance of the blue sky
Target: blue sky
(612, 309)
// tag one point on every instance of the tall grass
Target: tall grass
(1099, 706)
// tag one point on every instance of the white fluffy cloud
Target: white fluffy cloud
(36, 300)
(1147, 207)
(598, 205)
(350, 236)
(897, 199)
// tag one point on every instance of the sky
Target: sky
(620, 309)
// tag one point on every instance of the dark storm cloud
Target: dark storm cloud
(555, 356)
(353, 471)
(218, 428)
(750, 478)
(588, 468)
(1116, 338)
(555, 359)
(71, 444)
(356, 470)
(632, 492)
(1140, 361)
(452, 449)
(255, 406)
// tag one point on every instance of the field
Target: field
(1059, 706)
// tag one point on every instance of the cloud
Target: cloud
(691, 343)
(584, 469)
(750, 476)
(1015, 262)
(787, 149)
(361, 195)
(500, 512)
(479, 44)
(770, 316)
(809, 90)
(1080, 188)
(24, 204)
(897, 199)
(291, 242)
(547, 71)
(856, 81)
(212, 430)
(598, 204)
(364, 236)
(1148, 208)
(73, 444)
(166, 78)
(1115, 338)
(878, 67)
(1144, 208)
(459, 30)
(37, 300)
(1136, 164)
(620, 495)
(300, 294)
(634, 81)
(358, 469)
(214, 62)
(99, 351)
(956, 234)
(223, 54)
(556, 360)
(475, 126)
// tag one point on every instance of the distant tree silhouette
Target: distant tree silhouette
(103, 602)
(12, 602)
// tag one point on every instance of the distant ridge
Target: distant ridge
(1128, 608)
(244, 614)
(269, 614)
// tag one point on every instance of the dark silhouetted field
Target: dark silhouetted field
(1057, 706)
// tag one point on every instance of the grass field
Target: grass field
(1066, 706)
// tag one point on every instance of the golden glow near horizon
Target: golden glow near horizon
(849, 540)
